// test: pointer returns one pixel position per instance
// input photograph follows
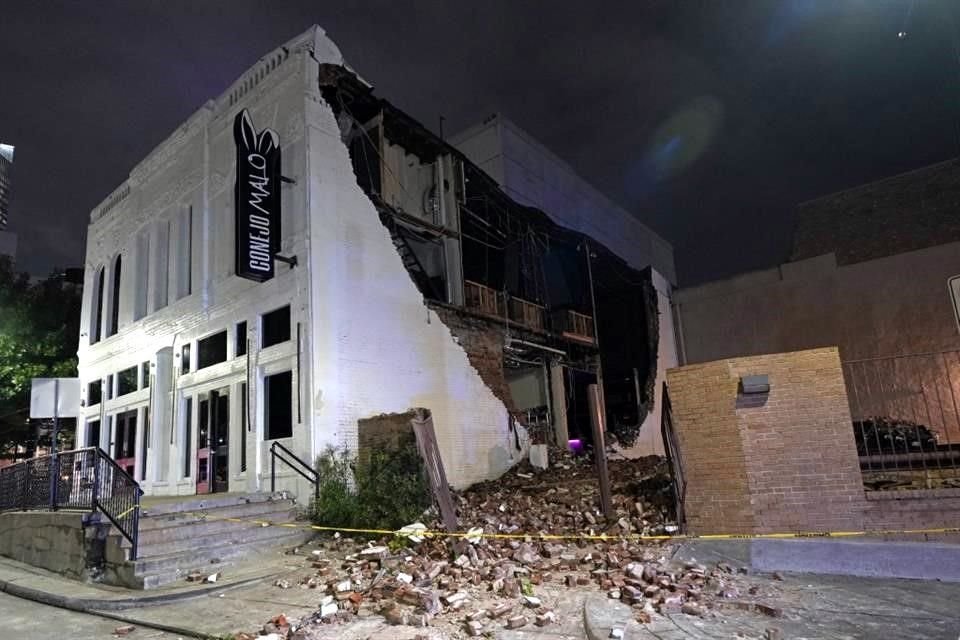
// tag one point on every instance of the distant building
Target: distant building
(8, 241)
(873, 270)
(6, 169)
(234, 300)
(868, 272)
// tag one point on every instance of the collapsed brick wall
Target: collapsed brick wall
(784, 461)
(483, 341)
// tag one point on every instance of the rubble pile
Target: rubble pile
(479, 583)
(565, 498)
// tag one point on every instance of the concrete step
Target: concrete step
(215, 541)
(162, 570)
(153, 507)
(181, 527)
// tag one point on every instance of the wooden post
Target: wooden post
(597, 420)
(430, 454)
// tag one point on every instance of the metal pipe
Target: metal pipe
(534, 345)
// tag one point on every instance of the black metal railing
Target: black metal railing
(906, 419)
(280, 452)
(81, 479)
(674, 459)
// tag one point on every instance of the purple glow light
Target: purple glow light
(575, 445)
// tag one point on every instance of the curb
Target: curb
(105, 608)
(117, 604)
(601, 615)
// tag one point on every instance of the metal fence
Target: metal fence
(906, 419)
(83, 479)
(674, 460)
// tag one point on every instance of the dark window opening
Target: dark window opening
(187, 436)
(94, 392)
(185, 359)
(203, 423)
(145, 375)
(243, 426)
(278, 402)
(212, 350)
(275, 327)
(126, 381)
(241, 346)
(93, 433)
(144, 443)
(97, 324)
(110, 386)
(115, 307)
(126, 435)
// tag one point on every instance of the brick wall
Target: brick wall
(382, 432)
(902, 213)
(905, 510)
(483, 341)
(784, 461)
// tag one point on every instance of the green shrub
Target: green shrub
(385, 490)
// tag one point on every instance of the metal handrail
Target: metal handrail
(305, 470)
(83, 479)
(130, 531)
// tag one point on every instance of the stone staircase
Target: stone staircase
(181, 536)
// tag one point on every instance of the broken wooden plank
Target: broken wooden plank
(430, 453)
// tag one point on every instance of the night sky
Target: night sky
(708, 119)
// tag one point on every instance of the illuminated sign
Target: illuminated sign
(257, 196)
(954, 284)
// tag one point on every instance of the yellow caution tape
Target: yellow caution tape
(603, 537)
(127, 512)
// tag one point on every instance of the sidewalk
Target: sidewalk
(168, 608)
(801, 606)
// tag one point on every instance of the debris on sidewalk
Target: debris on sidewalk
(124, 630)
(481, 582)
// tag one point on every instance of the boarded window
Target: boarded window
(212, 350)
(142, 277)
(161, 265)
(184, 258)
(275, 327)
(278, 401)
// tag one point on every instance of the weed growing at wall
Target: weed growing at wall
(386, 489)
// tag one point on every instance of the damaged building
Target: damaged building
(300, 257)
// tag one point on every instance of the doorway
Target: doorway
(124, 443)
(213, 445)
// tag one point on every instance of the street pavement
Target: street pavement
(28, 620)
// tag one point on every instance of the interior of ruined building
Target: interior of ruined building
(485, 262)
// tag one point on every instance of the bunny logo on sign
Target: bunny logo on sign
(257, 199)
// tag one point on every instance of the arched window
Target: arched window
(96, 319)
(115, 299)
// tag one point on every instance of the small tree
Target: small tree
(39, 333)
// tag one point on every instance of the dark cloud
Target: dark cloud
(804, 97)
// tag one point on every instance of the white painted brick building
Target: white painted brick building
(190, 373)
(160, 257)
